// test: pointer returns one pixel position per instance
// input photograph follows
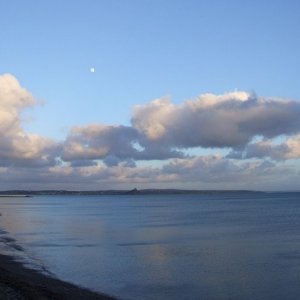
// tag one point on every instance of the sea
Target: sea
(161, 247)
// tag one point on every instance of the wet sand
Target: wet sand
(18, 282)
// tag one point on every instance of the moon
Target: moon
(92, 70)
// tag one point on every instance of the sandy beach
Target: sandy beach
(19, 282)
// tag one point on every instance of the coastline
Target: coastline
(21, 283)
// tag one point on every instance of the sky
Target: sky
(190, 94)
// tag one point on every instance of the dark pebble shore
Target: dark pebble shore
(18, 282)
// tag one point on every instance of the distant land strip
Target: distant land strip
(26, 193)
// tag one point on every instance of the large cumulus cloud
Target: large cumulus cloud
(17, 146)
(163, 130)
(228, 120)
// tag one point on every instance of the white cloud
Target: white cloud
(18, 147)
(288, 149)
(100, 142)
(164, 130)
(112, 144)
(293, 144)
(229, 120)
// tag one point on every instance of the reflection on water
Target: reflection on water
(240, 246)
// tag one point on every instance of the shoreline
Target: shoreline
(22, 283)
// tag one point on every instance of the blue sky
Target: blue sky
(144, 50)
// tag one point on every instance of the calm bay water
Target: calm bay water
(230, 246)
